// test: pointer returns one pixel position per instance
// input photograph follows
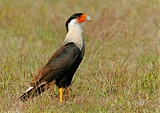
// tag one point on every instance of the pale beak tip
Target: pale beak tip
(88, 18)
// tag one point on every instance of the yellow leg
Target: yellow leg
(61, 94)
(67, 91)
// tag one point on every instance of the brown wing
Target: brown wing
(60, 62)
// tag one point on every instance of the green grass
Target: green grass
(120, 72)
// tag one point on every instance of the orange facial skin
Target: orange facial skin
(82, 18)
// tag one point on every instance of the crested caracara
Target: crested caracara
(64, 62)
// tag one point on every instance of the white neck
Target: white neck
(75, 34)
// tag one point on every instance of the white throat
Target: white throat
(75, 34)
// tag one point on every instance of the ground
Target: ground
(120, 72)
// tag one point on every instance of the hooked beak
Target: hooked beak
(88, 18)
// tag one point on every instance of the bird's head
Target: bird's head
(77, 19)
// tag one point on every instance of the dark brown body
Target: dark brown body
(60, 68)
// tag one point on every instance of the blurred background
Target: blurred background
(121, 68)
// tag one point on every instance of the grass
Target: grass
(120, 72)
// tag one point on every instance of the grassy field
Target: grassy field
(120, 72)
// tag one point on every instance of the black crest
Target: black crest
(72, 17)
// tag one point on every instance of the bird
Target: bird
(62, 65)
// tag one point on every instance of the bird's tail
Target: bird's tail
(32, 92)
(36, 90)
